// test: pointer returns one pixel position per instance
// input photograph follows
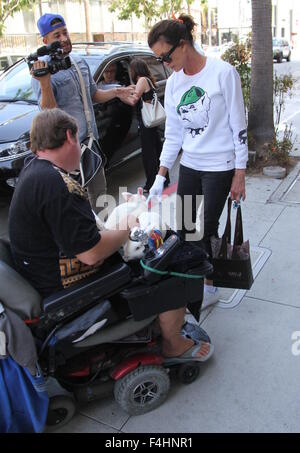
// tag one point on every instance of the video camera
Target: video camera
(56, 62)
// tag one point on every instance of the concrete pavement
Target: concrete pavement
(251, 384)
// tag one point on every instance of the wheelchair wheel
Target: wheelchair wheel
(188, 372)
(61, 409)
(142, 390)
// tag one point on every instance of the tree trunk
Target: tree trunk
(261, 121)
(88, 32)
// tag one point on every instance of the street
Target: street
(291, 113)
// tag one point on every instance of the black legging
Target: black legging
(215, 186)
(151, 150)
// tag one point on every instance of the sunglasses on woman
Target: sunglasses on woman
(167, 57)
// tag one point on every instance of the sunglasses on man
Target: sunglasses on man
(167, 57)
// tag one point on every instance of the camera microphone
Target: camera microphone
(45, 50)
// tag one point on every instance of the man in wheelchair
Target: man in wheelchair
(53, 233)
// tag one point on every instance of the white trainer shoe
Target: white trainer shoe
(210, 298)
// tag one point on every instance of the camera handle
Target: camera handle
(40, 72)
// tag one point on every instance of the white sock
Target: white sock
(210, 289)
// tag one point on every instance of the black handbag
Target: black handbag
(92, 157)
(232, 263)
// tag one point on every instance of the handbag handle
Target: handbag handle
(84, 99)
(238, 233)
(226, 238)
(151, 84)
(155, 97)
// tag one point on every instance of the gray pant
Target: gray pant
(96, 188)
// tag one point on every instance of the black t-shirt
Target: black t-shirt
(49, 216)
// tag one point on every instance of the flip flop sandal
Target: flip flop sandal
(190, 355)
(194, 332)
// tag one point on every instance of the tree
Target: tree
(88, 32)
(204, 18)
(261, 120)
(9, 8)
(149, 9)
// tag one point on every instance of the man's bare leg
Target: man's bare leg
(173, 343)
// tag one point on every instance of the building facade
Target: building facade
(223, 21)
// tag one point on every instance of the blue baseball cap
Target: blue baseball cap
(45, 23)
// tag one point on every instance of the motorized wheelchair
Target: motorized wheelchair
(98, 336)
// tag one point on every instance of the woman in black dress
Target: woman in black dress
(150, 139)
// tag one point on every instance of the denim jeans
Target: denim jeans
(215, 186)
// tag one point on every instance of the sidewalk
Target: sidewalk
(251, 384)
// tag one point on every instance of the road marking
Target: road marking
(290, 117)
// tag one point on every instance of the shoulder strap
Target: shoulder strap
(150, 83)
(84, 99)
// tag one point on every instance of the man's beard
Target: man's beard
(68, 45)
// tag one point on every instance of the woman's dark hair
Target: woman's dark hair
(173, 30)
(139, 68)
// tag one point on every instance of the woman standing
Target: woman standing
(206, 118)
(150, 139)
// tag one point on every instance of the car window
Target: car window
(15, 58)
(16, 84)
(121, 75)
(157, 69)
(3, 62)
(93, 61)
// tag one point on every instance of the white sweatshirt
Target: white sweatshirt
(206, 118)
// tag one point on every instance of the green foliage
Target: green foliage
(239, 56)
(204, 5)
(283, 87)
(10, 7)
(151, 10)
(279, 149)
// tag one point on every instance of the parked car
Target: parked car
(117, 122)
(8, 60)
(281, 49)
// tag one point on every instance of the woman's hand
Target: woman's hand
(237, 190)
(127, 94)
(157, 188)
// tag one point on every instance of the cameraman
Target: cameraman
(63, 90)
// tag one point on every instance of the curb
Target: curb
(274, 172)
(282, 189)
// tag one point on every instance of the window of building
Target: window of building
(282, 32)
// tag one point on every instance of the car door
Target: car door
(118, 123)
(160, 74)
(114, 118)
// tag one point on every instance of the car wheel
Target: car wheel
(142, 390)
(289, 57)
